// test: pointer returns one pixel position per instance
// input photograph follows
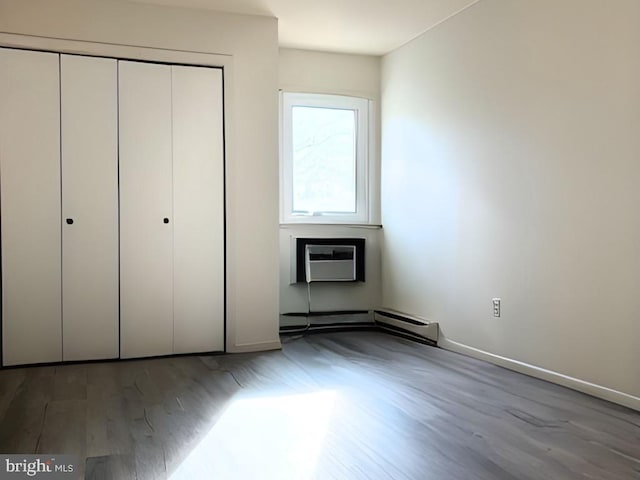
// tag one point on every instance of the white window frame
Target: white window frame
(364, 125)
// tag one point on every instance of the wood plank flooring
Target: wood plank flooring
(347, 405)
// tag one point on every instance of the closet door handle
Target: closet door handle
(69, 221)
(166, 220)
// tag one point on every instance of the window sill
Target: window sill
(330, 224)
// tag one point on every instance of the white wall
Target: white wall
(247, 47)
(355, 75)
(510, 169)
(333, 73)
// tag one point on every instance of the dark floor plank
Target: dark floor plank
(70, 383)
(110, 467)
(9, 387)
(23, 421)
(107, 432)
(63, 430)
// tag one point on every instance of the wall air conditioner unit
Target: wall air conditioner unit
(330, 263)
(328, 260)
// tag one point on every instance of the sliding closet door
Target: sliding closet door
(146, 217)
(89, 90)
(198, 210)
(30, 206)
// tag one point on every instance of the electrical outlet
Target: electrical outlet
(496, 307)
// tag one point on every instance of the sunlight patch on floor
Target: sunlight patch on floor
(275, 437)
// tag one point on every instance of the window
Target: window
(324, 160)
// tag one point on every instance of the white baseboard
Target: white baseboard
(254, 347)
(554, 377)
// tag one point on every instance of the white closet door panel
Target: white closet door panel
(146, 242)
(89, 89)
(198, 209)
(30, 203)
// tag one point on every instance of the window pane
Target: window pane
(324, 160)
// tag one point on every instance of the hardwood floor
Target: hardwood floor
(349, 405)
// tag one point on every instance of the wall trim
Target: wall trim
(431, 27)
(254, 347)
(114, 50)
(583, 386)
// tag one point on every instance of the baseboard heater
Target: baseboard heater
(393, 322)
(409, 326)
(328, 320)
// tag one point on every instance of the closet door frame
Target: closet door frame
(222, 62)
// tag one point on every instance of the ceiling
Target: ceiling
(373, 27)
